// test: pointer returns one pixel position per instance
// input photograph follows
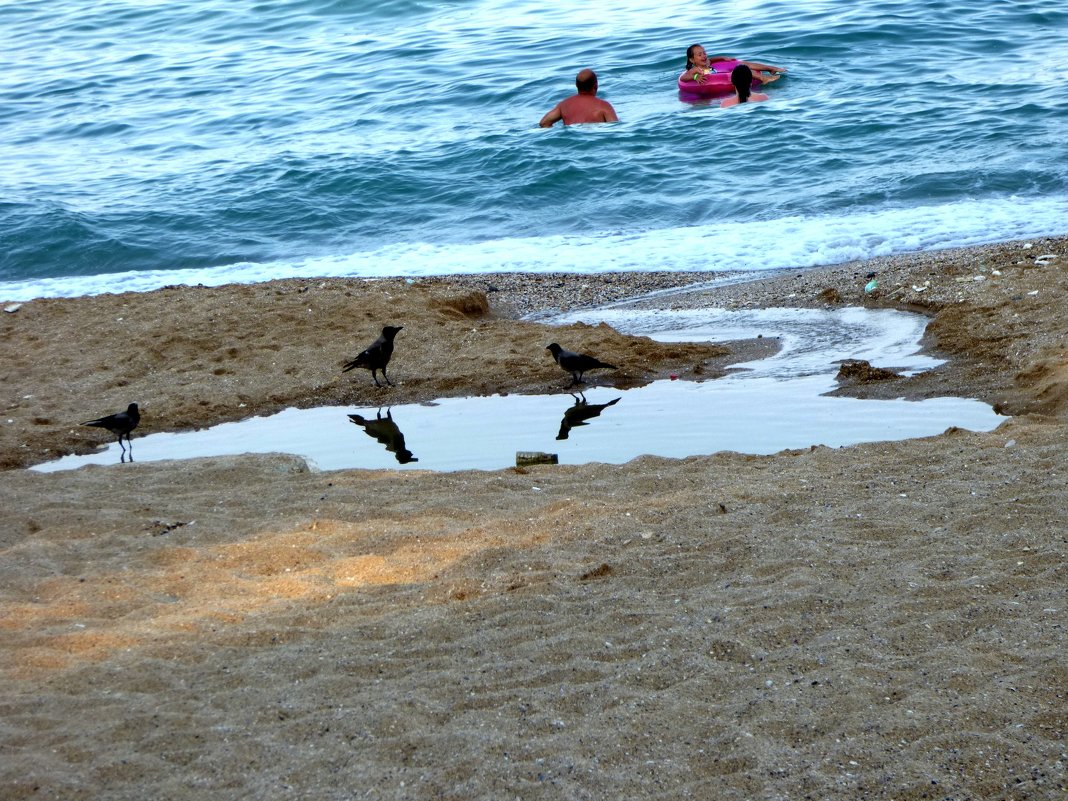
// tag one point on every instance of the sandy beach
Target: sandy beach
(881, 621)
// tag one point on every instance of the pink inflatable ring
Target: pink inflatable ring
(716, 84)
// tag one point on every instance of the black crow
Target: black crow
(576, 363)
(120, 424)
(377, 356)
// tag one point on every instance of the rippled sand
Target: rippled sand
(877, 621)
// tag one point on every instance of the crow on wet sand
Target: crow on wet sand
(377, 355)
(576, 363)
(120, 424)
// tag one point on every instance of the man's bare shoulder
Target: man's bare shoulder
(584, 108)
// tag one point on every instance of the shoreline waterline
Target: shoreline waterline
(734, 248)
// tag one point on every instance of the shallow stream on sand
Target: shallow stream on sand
(763, 407)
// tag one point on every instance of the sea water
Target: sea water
(155, 143)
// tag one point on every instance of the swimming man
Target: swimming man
(584, 106)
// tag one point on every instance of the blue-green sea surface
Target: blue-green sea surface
(155, 143)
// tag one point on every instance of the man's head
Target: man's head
(586, 82)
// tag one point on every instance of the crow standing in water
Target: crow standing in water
(576, 363)
(377, 356)
(120, 424)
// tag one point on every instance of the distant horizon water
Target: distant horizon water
(206, 143)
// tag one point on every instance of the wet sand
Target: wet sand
(878, 621)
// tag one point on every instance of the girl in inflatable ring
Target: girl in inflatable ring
(698, 65)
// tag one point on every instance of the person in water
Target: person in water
(584, 106)
(699, 64)
(742, 80)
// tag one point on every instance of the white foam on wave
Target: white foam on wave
(792, 242)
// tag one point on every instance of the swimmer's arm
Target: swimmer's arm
(757, 66)
(552, 117)
(609, 114)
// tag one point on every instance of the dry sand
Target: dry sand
(878, 621)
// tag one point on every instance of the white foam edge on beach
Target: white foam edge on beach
(791, 242)
(811, 341)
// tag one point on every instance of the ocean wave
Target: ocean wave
(212, 136)
(792, 242)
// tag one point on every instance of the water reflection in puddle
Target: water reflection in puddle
(773, 404)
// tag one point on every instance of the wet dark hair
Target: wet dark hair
(689, 55)
(742, 78)
(587, 84)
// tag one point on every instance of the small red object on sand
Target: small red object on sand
(674, 377)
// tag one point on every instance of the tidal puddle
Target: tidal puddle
(766, 406)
